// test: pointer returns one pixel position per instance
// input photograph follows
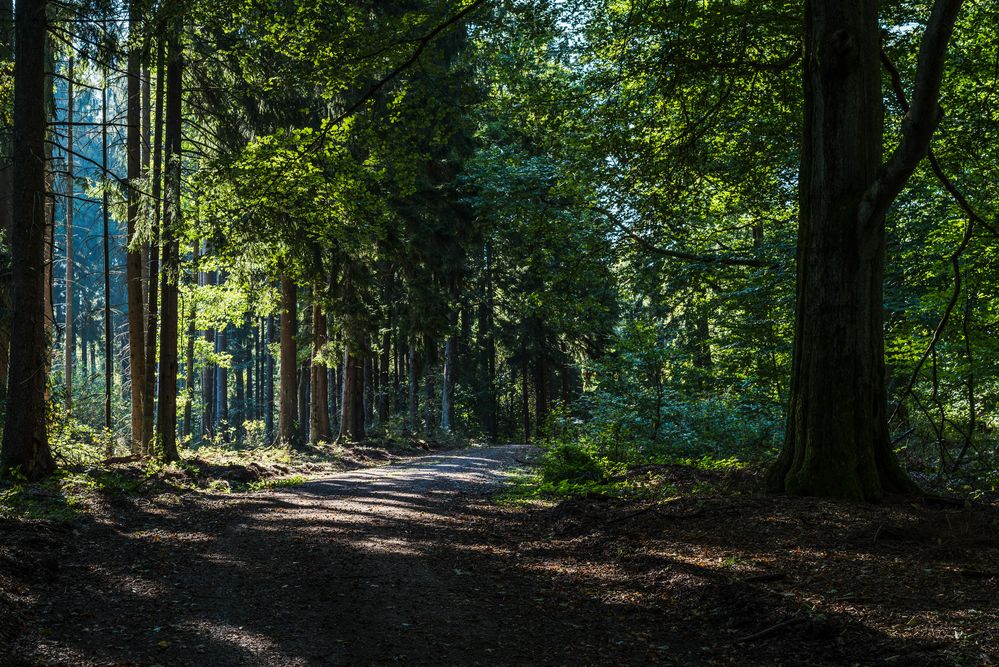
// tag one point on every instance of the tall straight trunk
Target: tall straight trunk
(383, 374)
(369, 390)
(105, 213)
(338, 393)
(487, 345)
(249, 410)
(352, 404)
(238, 416)
(189, 374)
(540, 393)
(304, 392)
(447, 389)
(70, 206)
(153, 270)
(167, 408)
(269, 381)
(319, 416)
(25, 439)
(288, 404)
(50, 201)
(525, 393)
(146, 140)
(430, 360)
(413, 402)
(837, 442)
(133, 258)
(221, 382)
(6, 198)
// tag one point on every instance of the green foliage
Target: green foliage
(277, 483)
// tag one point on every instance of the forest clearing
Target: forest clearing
(499, 332)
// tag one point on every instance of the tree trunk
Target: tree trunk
(352, 404)
(383, 377)
(525, 393)
(369, 390)
(6, 199)
(414, 407)
(269, 382)
(429, 360)
(153, 270)
(25, 439)
(319, 417)
(105, 213)
(133, 261)
(189, 371)
(167, 409)
(288, 413)
(221, 383)
(837, 441)
(68, 345)
(447, 390)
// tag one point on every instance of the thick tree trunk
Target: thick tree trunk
(167, 408)
(319, 417)
(288, 404)
(837, 441)
(133, 258)
(25, 439)
(6, 199)
(352, 404)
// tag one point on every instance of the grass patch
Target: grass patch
(276, 483)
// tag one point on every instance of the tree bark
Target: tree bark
(133, 260)
(105, 213)
(69, 339)
(269, 381)
(6, 200)
(319, 416)
(288, 413)
(837, 442)
(153, 270)
(167, 409)
(352, 404)
(25, 439)
(447, 389)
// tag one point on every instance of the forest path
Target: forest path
(399, 564)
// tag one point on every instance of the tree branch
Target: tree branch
(922, 118)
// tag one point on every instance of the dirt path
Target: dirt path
(414, 564)
(387, 565)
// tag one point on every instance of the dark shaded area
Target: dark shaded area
(412, 564)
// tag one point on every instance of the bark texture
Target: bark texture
(837, 441)
(167, 408)
(25, 438)
(288, 404)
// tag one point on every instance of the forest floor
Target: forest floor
(422, 562)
